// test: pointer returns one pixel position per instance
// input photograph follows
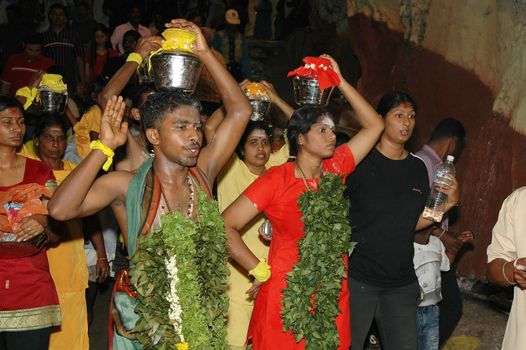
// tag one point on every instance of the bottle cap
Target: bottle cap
(450, 159)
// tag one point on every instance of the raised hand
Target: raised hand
(35, 79)
(270, 90)
(145, 46)
(200, 46)
(114, 131)
(334, 64)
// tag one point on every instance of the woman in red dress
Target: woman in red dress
(98, 53)
(312, 142)
(28, 299)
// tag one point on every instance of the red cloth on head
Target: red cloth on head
(317, 68)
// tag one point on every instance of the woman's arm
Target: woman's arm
(237, 216)
(452, 191)
(277, 100)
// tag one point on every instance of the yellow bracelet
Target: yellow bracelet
(134, 57)
(261, 272)
(108, 152)
(29, 94)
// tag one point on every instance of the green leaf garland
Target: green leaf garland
(311, 299)
(201, 260)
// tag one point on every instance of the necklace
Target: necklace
(191, 199)
(303, 177)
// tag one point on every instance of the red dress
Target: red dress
(276, 193)
(28, 298)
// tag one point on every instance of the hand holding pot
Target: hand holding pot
(200, 46)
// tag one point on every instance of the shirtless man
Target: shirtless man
(173, 127)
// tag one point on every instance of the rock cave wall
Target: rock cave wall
(463, 59)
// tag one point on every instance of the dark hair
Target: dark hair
(59, 6)
(154, 110)
(393, 99)
(93, 45)
(33, 38)
(9, 102)
(301, 122)
(133, 33)
(47, 121)
(251, 126)
(450, 127)
(138, 91)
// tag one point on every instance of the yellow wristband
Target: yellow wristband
(108, 152)
(134, 57)
(261, 272)
(29, 94)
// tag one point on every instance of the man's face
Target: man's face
(57, 17)
(32, 50)
(179, 137)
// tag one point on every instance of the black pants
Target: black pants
(37, 339)
(450, 306)
(393, 309)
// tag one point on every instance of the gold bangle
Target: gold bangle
(443, 231)
(261, 272)
(98, 259)
(134, 57)
(108, 152)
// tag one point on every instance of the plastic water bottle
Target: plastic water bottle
(436, 203)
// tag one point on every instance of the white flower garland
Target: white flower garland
(175, 306)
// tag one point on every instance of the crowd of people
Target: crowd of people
(87, 193)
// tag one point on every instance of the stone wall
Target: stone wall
(461, 59)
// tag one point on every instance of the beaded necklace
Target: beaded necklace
(191, 199)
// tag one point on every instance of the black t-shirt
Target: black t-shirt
(387, 197)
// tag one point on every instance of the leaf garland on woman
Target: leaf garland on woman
(200, 255)
(310, 300)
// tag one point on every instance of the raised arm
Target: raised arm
(80, 194)
(213, 123)
(277, 100)
(215, 155)
(372, 124)
(144, 47)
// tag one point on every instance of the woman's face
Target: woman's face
(256, 149)
(100, 37)
(320, 140)
(12, 127)
(51, 143)
(399, 123)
